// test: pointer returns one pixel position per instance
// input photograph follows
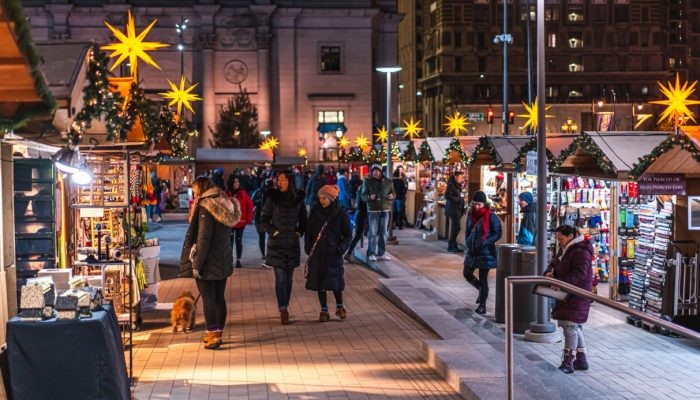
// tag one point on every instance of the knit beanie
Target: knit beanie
(329, 191)
(479, 197)
(526, 197)
(376, 166)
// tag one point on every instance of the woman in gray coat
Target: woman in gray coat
(207, 254)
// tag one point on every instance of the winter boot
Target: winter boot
(567, 362)
(581, 364)
(324, 316)
(213, 340)
(284, 317)
(341, 313)
(481, 310)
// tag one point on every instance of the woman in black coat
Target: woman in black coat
(482, 233)
(207, 254)
(284, 219)
(572, 265)
(328, 236)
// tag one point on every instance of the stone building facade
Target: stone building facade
(304, 63)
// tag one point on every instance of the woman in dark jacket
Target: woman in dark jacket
(572, 265)
(207, 255)
(482, 233)
(326, 248)
(284, 219)
(360, 225)
(258, 199)
(236, 191)
(454, 209)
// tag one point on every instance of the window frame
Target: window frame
(341, 61)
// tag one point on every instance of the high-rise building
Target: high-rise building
(609, 50)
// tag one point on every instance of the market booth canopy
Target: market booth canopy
(608, 155)
(499, 151)
(556, 145)
(23, 91)
(678, 154)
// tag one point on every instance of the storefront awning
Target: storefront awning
(325, 127)
(233, 156)
(609, 155)
(556, 144)
(499, 151)
(677, 154)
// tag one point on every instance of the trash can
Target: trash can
(504, 253)
(524, 301)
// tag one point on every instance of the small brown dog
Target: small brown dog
(182, 313)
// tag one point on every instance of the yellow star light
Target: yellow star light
(381, 134)
(412, 129)
(677, 102)
(264, 145)
(181, 96)
(532, 115)
(456, 123)
(362, 142)
(273, 143)
(301, 152)
(343, 142)
(132, 46)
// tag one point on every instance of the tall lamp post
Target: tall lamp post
(388, 71)
(180, 28)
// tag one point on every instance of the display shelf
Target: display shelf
(110, 183)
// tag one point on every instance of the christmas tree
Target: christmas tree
(424, 152)
(238, 124)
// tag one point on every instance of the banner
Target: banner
(669, 184)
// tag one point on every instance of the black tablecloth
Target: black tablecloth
(79, 359)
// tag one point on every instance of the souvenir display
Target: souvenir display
(66, 307)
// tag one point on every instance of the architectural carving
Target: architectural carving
(263, 40)
(236, 38)
(235, 71)
(206, 40)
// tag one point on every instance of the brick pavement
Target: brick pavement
(626, 362)
(375, 354)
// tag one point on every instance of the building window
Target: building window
(551, 13)
(622, 14)
(446, 38)
(646, 14)
(330, 59)
(458, 64)
(599, 14)
(574, 14)
(481, 14)
(552, 91)
(330, 128)
(482, 92)
(331, 117)
(481, 40)
(552, 40)
(482, 64)
(575, 40)
(458, 39)
(524, 13)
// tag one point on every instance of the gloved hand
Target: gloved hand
(195, 273)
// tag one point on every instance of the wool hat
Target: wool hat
(329, 191)
(376, 166)
(479, 197)
(526, 197)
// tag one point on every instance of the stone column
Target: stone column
(8, 271)
(207, 39)
(263, 38)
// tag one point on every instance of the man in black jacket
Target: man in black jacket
(454, 209)
(316, 182)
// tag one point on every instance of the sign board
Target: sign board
(531, 165)
(669, 184)
(478, 117)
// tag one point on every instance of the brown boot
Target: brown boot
(580, 363)
(284, 317)
(205, 337)
(341, 313)
(324, 316)
(213, 340)
(567, 362)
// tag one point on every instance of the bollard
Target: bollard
(524, 302)
(503, 270)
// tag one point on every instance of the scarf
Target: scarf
(483, 213)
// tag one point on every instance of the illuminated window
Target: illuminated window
(330, 59)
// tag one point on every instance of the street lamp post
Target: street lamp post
(388, 71)
(614, 116)
(180, 28)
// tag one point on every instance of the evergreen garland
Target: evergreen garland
(559, 160)
(424, 152)
(455, 146)
(531, 145)
(485, 145)
(238, 124)
(600, 158)
(377, 154)
(673, 140)
(410, 153)
(356, 155)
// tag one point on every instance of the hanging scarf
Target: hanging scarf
(483, 213)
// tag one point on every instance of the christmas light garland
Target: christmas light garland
(424, 152)
(586, 143)
(455, 146)
(673, 140)
(410, 153)
(518, 163)
(485, 145)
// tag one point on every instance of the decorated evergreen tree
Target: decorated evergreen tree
(410, 153)
(238, 124)
(424, 152)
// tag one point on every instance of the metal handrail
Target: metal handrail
(566, 287)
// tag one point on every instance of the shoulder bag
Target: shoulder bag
(313, 248)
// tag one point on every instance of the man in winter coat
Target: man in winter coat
(344, 190)
(401, 189)
(378, 193)
(572, 265)
(316, 182)
(454, 209)
(528, 223)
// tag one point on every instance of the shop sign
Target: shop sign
(476, 116)
(670, 184)
(531, 166)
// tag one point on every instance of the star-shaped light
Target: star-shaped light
(381, 134)
(456, 123)
(131, 46)
(532, 115)
(302, 152)
(412, 129)
(272, 143)
(181, 95)
(264, 145)
(677, 102)
(362, 142)
(343, 142)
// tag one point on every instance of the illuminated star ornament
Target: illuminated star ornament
(677, 102)
(532, 115)
(343, 142)
(181, 95)
(412, 129)
(272, 143)
(301, 152)
(381, 134)
(456, 123)
(362, 142)
(131, 46)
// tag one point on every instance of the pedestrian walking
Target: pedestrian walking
(284, 219)
(207, 255)
(528, 223)
(258, 199)
(355, 184)
(482, 233)
(360, 226)
(378, 193)
(236, 191)
(327, 239)
(316, 182)
(399, 206)
(572, 265)
(344, 198)
(454, 209)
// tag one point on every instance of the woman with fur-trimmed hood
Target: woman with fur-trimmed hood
(207, 254)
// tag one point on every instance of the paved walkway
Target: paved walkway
(377, 353)
(626, 362)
